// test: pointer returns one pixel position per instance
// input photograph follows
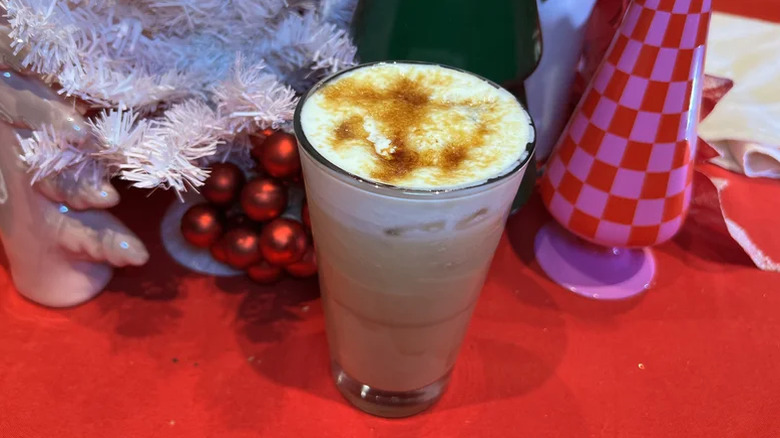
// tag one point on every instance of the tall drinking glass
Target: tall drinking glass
(400, 271)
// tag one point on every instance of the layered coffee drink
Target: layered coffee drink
(410, 171)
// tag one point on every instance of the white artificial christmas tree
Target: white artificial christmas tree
(175, 83)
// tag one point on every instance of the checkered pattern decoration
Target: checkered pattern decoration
(621, 174)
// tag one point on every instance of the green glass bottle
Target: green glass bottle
(497, 39)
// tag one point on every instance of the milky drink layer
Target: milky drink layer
(417, 126)
(401, 269)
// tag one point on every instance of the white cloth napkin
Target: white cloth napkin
(745, 125)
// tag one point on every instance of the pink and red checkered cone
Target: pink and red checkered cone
(621, 173)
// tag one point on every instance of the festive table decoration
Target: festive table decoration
(177, 82)
(165, 92)
(242, 247)
(224, 184)
(621, 175)
(60, 243)
(201, 225)
(744, 123)
(306, 266)
(265, 273)
(263, 231)
(279, 155)
(263, 199)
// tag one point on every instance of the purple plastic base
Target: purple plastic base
(593, 271)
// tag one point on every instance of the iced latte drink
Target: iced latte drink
(410, 172)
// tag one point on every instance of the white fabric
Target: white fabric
(745, 125)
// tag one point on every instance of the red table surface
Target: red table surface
(165, 352)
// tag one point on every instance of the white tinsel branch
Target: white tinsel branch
(48, 32)
(178, 78)
(254, 97)
(48, 153)
(167, 154)
(334, 51)
(338, 12)
(118, 132)
(105, 87)
(253, 11)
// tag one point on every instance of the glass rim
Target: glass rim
(395, 189)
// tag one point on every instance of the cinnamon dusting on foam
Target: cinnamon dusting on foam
(419, 125)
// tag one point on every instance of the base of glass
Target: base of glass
(590, 270)
(388, 404)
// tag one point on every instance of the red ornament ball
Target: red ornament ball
(201, 225)
(305, 267)
(257, 141)
(257, 147)
(305, 214)
(224, 184)
(283, 241)
(218, 251)
(279, 155)
(264, 272)
(263, 199)
(242, 248)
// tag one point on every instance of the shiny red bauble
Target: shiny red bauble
(278, 155)
(224, 184)
(218, 251)
(257, 146)
(201, 225)
(305, 267)
(263, 199)
(264, 272)
(305, 214)
(283, 241)
(242, 247)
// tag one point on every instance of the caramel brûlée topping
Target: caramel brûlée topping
(423, 125)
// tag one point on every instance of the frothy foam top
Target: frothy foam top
(416, 126)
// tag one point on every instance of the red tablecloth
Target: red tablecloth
(165, 352)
